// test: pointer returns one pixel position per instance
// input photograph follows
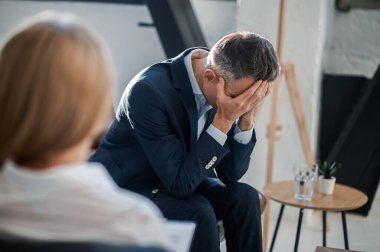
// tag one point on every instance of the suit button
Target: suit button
(155, 191)
(208, 166)
(214, 158)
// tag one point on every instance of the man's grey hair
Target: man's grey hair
(244, 54)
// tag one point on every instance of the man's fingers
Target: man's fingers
(220, 82)
(260, 91)
(250, 91)
(269, 90)
(258, 95)
(263, 89)
(220, 86)
(254, 95)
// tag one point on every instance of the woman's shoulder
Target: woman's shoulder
(92, 175)
(99, 182)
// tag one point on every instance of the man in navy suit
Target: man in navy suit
(184, 133)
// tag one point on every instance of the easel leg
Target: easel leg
(270, 159)
(298, 112)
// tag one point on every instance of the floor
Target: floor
(363, 232)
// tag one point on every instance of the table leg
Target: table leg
(298, 229)
(345, 230)
(324, 228)
(276, 229)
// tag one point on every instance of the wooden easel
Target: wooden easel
(289, 73)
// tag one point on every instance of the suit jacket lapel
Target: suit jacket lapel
(182, 83)
(210, 118)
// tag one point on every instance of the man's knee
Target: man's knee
(203, 213)
(243, 196)
(206, 236)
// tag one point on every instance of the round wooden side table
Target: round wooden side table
(344, 198)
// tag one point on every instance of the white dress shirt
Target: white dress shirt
(77, 202)
(243, 137)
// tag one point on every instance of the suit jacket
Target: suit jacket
(152, 144)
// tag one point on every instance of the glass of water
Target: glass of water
(304, 176)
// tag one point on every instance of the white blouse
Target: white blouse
(76, 202)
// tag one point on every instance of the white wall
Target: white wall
(215, 18)
(132, 47)
(353, 47)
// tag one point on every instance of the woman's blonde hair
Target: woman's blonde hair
(55, 77)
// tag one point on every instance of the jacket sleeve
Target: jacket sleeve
(235, 164)
(180, 172)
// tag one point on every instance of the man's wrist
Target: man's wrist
(222, 124)
(245, 123)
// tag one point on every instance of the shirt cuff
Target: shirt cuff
(243, 137)
(218, 135)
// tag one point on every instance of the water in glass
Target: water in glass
(304, 176)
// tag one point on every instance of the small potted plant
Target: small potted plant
(326, 178)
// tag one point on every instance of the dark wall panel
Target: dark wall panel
(338, 98)
(350, 131)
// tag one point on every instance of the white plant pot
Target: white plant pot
(326, 186)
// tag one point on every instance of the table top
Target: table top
(344, 197)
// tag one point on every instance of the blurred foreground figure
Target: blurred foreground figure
(55, 78)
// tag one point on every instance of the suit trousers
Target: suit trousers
(236, 204)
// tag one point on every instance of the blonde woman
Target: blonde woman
(55, 99)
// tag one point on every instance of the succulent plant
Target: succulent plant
(327, 169)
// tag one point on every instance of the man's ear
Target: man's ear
(209, 75)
